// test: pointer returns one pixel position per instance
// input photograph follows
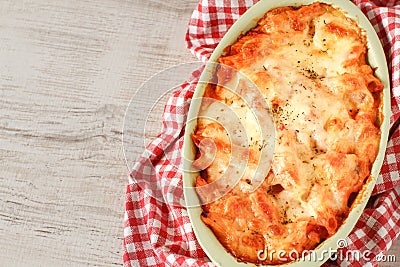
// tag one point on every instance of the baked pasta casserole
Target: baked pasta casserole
(310, 65)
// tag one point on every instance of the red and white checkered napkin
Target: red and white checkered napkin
(157, 228)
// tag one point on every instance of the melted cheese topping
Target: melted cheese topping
(309, 64)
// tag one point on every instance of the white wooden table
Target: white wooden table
(68, 70)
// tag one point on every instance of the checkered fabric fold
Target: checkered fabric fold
(157, 230)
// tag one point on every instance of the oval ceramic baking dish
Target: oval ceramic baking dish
(376, 58)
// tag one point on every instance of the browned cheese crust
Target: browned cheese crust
(310, 65)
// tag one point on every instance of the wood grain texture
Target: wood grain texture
(68, 71)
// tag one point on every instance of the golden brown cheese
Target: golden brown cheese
(310, 65)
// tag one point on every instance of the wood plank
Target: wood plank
(69, 69)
